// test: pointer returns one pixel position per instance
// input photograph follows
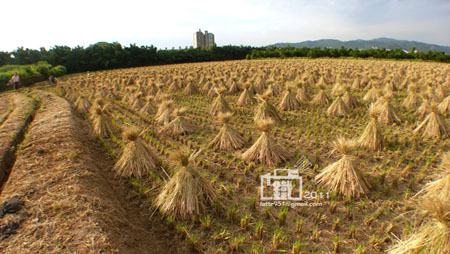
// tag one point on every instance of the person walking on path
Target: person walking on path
(53, 80)
(15, 80)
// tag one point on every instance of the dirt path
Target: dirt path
(73, 203)
(15, 114)
(6, 101)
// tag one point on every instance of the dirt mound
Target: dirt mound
(6, 103)
(72, 202)
(15, 114)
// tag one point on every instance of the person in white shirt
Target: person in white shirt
(15, 80)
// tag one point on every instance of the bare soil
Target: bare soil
(73, 203)
(15, 113)
(5, 107)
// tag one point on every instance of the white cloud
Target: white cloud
(250, 22)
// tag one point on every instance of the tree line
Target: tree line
(103, 55)
(286, 52)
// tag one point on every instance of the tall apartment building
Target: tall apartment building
(209, 39)
(203, 40)
(199, 39)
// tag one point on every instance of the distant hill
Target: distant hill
(380, 43)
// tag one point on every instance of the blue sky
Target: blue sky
(169, 24)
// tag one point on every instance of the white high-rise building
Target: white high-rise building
(209, 39)
(199, 39)
(203, 40)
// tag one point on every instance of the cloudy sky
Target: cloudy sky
(45, 23)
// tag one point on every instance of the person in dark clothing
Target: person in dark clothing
(53, 80)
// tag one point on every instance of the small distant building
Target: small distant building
(203, 40)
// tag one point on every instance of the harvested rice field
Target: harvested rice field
(262, 156)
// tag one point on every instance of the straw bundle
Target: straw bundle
(219, 105)
(227, 138)
(179, 125)
(321, 98)
(246, 99)
(372, 138)
(266, 111)
(289, 102)
(433, 125)
(137, 159)
(187, 194)
(265, 150)
(342, 177)
(337, 108)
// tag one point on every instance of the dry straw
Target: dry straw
(389, 90)
(179, 125)
(102, 123)
(386, 113)
(227, 138)
(73, 95)
(411, 101)
(444, 106)
(234, 88)
(265, 150)
(432, 236)
(424, 107)
(190, 89)
(302, 94)
(337, 108)
(439, 92)
(321, 97)
(82, 105)
(433, 126)
(371, 95)
(174, 87)
(341, 176)
(111, 96)
(266, 111)
(349, 100)
(207, 87)
(271, 90)
(356, 83)
(219, 105)
(438, 189)
(137, 159)
(289, 102)
(337, 90)
(372, 138)
(163, 116)
(62, 91)
(187, 194)
(246, 99)
(445, 162)
(137, 103)
(148, 108)
(430, 93)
